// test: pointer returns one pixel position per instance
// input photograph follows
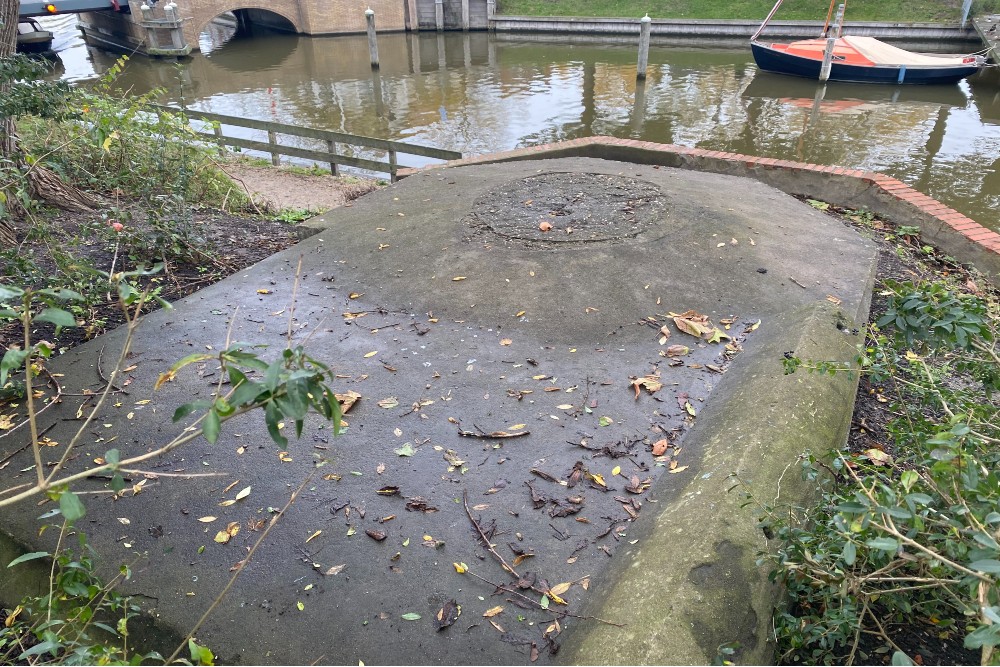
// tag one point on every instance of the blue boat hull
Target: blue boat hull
(772, 60)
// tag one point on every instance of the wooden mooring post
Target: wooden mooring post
(644, 28)
(372, 38)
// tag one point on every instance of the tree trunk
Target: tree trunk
(42, 182)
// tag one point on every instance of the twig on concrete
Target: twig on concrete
(485, 540)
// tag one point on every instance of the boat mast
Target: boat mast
(838, 23)
(766, 21)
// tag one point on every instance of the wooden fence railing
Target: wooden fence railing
(332, 139)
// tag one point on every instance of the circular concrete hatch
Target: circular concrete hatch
(556, 208)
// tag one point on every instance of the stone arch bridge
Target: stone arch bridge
(173, 28)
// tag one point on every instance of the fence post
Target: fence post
(372, 40)
(272, 138)
(439, 15)
(644, 25)
(392, 166)
(332, 149)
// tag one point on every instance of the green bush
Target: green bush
(913, 531)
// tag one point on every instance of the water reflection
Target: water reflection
(476, 93)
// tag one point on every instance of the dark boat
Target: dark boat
(32, 38)
(834, 57)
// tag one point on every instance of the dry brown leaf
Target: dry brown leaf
(490, 613)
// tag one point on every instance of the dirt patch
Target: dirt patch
(278, 189)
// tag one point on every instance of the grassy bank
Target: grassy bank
(887, 10)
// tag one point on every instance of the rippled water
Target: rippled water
(479, 93)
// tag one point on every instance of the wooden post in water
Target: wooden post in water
(439, 15)
(824, 70)
(644, 26)
(372, 41)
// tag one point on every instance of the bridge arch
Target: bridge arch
(285, 18)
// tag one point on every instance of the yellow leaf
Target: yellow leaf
(428, 538)
(490, 613)
(227, 503)
(107, 142)
(313, 536)
(263, 291)
(559, 589)
(598, 479)
(371, 354)
(615, 471)
(519, 313)
(222, 537)
(679, 469)
(517, 427)
(564, 406)
(555, 598)
(461, 568)
(207, 519)
(505, 341)
(243, 494)
(300, 606)
(457, 278)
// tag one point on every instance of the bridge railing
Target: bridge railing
(331, 139)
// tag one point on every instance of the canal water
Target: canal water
(479, 93)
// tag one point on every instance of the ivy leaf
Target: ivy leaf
(34, 555)
(71, 507)
(57, 316)
(211, 427)
(883, 544)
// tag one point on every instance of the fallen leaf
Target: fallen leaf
(545, 226)
(517, 427)
(660, 447)
(678, 350)
(207, 519)
(559, 589)
(651, 383)
(690, 409)
(493, 611)
(243, 494)
(878, 457)
(336, 569)
(505, 341)
(406, 450)
(564, 406)
(389, 402)
(605, 421)
(616, 470)
(377, 535)
(461, 568)
(300, 606)
(227, 503)
(834, 300)
(388, 491)
(457, 278)
(313, 536)
(263, 291)
(678, 469)
(371, 354)
(410, 617)
(448, 614)
(347, 400)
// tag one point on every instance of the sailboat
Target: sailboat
(834, 57)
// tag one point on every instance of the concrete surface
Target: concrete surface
(567, 318)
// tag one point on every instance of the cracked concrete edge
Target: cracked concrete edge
(691, 582)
